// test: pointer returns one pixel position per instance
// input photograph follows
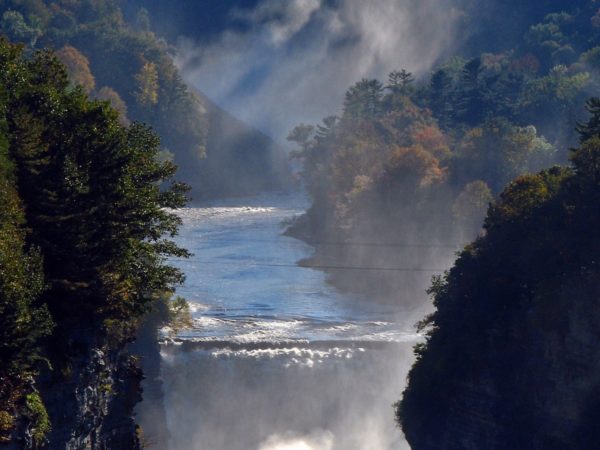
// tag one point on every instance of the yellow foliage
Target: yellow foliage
(147, 80)
(6, 425)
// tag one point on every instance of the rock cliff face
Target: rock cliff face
(551, 400)
(90, 404)
(92, 409)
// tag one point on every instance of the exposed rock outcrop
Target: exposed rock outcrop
(90, 405)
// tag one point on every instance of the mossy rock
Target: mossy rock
(7, 423)
(39, 416)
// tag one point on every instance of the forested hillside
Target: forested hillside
(85, 230)
(121, 60)
(510, 359)
(417, 161)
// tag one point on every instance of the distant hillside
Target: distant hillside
(200, 19)
(118, 58)
(239, 158)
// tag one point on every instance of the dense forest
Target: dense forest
(417, 161)
(84, 220)
(117, 57)
(510, 359)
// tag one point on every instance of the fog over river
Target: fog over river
(278, 358)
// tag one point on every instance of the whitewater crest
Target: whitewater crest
(189, 215)
(209, 327)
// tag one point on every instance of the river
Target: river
(277, 359)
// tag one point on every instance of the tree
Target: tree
(78, 68)
(327, 129)
(410, 169)
(147, 85)
(16, 28)
(399, 81)
(93, 197)
(142, 20)
(471, 93)
(109, 94)
(498, 152)
(301, 135)
(441, 97)
(364, 99)
(21, 279)
(590, 128)
(23, 322)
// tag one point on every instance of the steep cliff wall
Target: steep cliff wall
(548, 398)
(90, 405)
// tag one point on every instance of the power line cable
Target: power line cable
(308, 266)
(339, 243)
(297, 241)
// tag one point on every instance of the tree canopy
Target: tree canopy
(86, 218)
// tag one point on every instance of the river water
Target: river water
(277, 359)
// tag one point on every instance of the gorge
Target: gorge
(299, 225)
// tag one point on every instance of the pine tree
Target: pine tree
(440, 97)
(590, 128)
(364, 99)
(471, 93)
(92, 191)
(399, 81)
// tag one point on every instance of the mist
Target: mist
(293, 60)
(292, 373)
(285, 398)
(277, 358)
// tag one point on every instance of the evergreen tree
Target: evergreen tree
(22, 321)
(440, 97)
(471, 94)
(399, 81)
(590, 128)
(93, 197)
(364, 99)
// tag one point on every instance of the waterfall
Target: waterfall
(278, 359)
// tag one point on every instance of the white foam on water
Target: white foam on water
(196, 307)
(193, 215)
(289, 356)
(248, 330)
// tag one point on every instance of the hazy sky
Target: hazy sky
(292, 60)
